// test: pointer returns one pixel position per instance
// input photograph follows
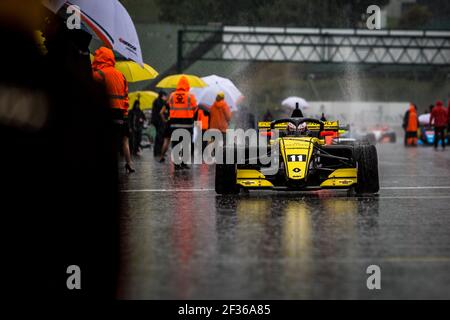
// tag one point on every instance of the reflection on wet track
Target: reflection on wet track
(194, 244)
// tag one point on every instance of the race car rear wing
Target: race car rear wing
(328, 126)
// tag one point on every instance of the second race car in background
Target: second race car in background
(426, 132)
(373, 135)
(426, 136)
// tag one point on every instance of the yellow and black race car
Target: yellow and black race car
(310, 157)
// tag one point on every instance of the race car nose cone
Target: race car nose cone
(296, 184)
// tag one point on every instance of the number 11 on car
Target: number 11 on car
(297, 158)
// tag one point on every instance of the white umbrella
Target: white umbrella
(291, 102)
(109, 21)
(424, 119)
(53, 5)
(217, 84)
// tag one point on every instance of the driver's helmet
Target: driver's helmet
(291, 128)
(302, 128)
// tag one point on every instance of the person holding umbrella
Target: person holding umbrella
(57, 147)
(220, 115)
(182, 108)
(117, 89)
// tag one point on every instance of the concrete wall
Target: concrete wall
(360, 113)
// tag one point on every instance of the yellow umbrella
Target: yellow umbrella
(172, 81)
(146, 99)
(133, 72)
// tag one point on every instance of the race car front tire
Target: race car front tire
(367, 161)
(225, 180)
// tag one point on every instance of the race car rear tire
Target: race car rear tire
(225, 181)
(367, 161)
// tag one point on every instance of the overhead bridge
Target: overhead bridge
(336, 46)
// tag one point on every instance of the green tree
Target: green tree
(293, 13)
(415, 17)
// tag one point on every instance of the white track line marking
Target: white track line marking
(349, 198)
(411, 197)
(207, 189)
(416, 259)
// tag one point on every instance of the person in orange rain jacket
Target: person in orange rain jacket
(220, 114)
(202, 115)
(182, 108)
(410, 125)
(117, 89)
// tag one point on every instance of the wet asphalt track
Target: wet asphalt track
(182, 241)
